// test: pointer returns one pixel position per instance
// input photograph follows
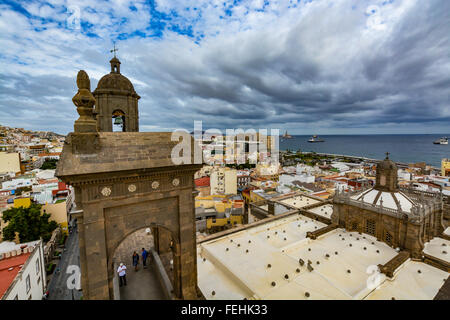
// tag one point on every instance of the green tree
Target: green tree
(29, 223)
(49, 164)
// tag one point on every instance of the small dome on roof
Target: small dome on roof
(114, 59)
(115, 82)
(387, 163)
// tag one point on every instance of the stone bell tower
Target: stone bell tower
(116, 100)
(387, 176)
(122, 187)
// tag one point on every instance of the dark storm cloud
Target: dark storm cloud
(323, 66)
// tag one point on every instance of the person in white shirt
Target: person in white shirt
(122, 271)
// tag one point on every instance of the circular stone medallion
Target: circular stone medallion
(176, 182)
(132, 188)
(155, 184)
(106, 191)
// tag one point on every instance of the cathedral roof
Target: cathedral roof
(390, 200)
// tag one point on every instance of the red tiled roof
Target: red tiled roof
(321, 193)
(45, 181)
(7, 276)
(202, 182)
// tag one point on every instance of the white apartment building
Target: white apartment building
(223, 181)
(266, 169)
(23, 273)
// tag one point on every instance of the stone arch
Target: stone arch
(151, 226)
(112, 263)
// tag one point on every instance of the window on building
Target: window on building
(388, 238)
(354, 226)
(28, 283)
(370, 227)
(38, 267)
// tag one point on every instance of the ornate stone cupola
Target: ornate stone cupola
(115, 65)
(387, 179)
(116, 106)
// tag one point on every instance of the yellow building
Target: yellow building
(218, 202)
(22, 202)
(58, 213)
(220, 222)
(445, 168)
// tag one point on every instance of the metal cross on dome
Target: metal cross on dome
(387, 155)
(114, 50)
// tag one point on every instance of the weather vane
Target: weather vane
(114, 50)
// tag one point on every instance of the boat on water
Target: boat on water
(315, 139)
(286, 136)
(443, 140)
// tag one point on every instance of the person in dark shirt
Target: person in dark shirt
(135, 261)
(144, 258)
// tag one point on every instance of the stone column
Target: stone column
(188, 248)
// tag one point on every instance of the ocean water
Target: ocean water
(407, 148)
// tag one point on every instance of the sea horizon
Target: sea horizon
(406, 148)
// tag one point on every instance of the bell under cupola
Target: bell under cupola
(116, 106)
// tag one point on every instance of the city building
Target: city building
(401, 218)
(445, 167)
(215, 212)
(223, 181)
(22, 272)
(202, 185)
(243, 179)
(267, 171)
(10, 163)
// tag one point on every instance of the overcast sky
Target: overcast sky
(309, 67)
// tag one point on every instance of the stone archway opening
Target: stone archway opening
(118, 121)
(143, 282)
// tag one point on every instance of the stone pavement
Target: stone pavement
(142, 284)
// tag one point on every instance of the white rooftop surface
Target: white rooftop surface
(299, 201)
(255, 278)
(386, 197)
(324, 211)
(438, 248)
(279, 209)
(237, 274)
(447, 231)
(409, 284)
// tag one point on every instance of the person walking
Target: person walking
(122, 271)
(144, 258)
(135, 261)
